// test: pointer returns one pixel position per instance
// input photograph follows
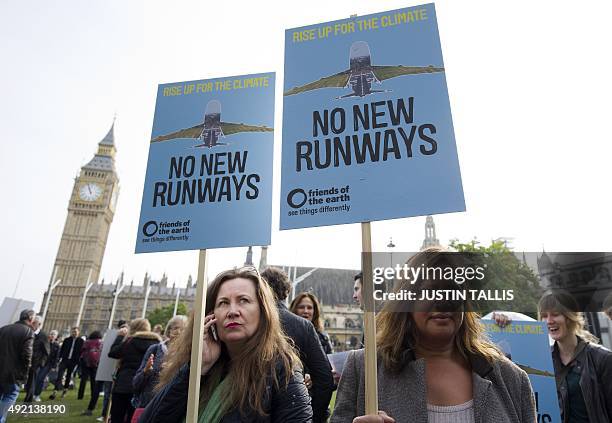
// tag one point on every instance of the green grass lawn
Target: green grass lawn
(74, 408)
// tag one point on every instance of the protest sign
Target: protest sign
(337, 361)
(209, 166)
(107, 365)
(367, 128)
(526, 344)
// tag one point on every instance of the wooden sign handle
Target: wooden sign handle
(369, 321)
(197, 342)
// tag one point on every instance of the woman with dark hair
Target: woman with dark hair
(249, 371)
(307, 305)
(435, 363)
(89, 360)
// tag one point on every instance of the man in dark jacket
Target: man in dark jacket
(51, 364)
(16, 357)
(307, 342)
(70, 352)
(358, 299)
(40, 353)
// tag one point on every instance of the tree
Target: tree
(504, 271)
(161, 315)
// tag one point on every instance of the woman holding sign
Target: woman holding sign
(250, 372)
(434, 364)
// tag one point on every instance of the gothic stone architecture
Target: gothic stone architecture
(130, 301)
(90, 212)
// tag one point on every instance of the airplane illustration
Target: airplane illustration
(505, 347)
(212, 129)
(361, 74)
(533, 371)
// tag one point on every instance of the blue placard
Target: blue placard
(209, 173)
(526, 344)
(367, 127)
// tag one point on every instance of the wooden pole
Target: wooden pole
(369, 321)
(193, 400)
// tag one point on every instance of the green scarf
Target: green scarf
(216, 406)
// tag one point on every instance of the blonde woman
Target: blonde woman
(147, 375)
(249, 371)
(129, 350)
(435, 365)
(583, 369)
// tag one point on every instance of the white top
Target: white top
(461, 413)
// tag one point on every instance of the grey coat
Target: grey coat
(502, 392)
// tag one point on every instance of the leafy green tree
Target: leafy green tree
(505, 271)
(161, 315)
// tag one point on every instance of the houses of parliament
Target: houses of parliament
(91, 209)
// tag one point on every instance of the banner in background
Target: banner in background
(526, 344)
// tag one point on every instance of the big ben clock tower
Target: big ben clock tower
(81, 250)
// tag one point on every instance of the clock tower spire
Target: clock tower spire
(90, 213)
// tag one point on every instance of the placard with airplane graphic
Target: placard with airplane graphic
(526, 344)
(209, 174)
(367, 127)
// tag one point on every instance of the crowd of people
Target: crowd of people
(266, 361)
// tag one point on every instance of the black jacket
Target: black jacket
(595, 365)
(41, 350)
(53, 355)
(67, 345)
(16, 342)
(325, 342)
(130, 353)
(307, 342)
(290, 405)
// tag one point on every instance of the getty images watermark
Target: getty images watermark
(437, 284)
(491, 280)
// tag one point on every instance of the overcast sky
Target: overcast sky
(529, 91)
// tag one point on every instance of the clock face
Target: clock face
(90, 192)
